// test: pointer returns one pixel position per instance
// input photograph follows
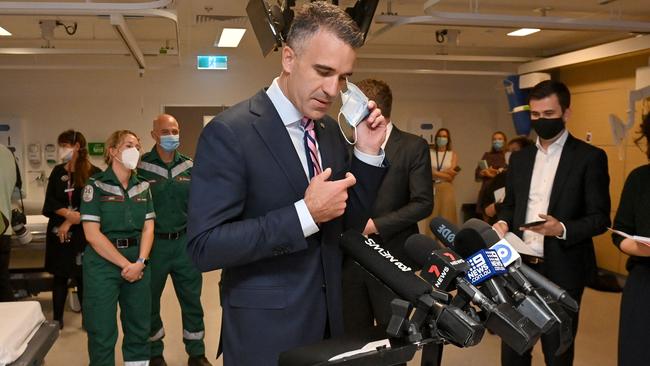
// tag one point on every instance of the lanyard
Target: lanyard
(438, 163)
(69, 190)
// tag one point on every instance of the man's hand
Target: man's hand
(370, 228)
(551, 227)
(133, 272)
(326, 200)
(491, 210)
(501, 228)
(371, 132)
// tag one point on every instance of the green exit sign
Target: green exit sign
(212, 62)
(96, 148)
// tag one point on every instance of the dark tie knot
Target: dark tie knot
(307, 124)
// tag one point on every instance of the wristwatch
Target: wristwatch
(144, 261)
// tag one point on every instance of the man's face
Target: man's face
(316, 72)
(548, 107)
(164, 127)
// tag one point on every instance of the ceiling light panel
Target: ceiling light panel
(230, 37)
(522, 32)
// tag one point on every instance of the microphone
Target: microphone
(557, 293)
(512, 260)
(468, 243)
(444, 231)
(451, 324)
(515, 330)
(388, 269)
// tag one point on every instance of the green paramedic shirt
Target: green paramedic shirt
(121, 213)
(170, 187)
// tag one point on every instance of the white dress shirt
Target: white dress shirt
(546, 163)
(291, 118)
(389, 129)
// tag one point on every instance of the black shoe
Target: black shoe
(157, 361)
(198, 361)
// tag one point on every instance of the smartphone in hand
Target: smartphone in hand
(457, 169)
(533, 223)
(483, 164)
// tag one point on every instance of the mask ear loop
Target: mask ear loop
(338, 120)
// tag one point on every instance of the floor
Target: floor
(596, 341)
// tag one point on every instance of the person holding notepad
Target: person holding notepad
(633, 218)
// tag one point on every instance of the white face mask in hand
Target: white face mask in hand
(130, 158)
(354, 109)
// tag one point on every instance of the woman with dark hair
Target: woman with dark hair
(633, 218)
(65, 240)
(492, 163)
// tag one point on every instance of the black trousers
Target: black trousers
(6, 293)
(60, 293)
(550, 342)
(365, 300)
(634, 330)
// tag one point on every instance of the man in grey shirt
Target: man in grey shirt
(7, 184)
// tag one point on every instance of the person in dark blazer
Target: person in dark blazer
(404, 198)
(633, 218)
(565, 182)
(270, 196)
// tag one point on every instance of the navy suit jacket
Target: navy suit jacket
(579, 199)
(279, 290)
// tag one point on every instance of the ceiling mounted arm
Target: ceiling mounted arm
(119, 24)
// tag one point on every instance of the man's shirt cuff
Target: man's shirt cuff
(563, 236)
(374, 160)
(307, 223)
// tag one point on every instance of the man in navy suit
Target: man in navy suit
(261, 209)
(563, 182)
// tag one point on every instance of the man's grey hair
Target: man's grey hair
(321, 15)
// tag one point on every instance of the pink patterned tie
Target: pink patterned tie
(313, 164)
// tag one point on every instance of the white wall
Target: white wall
(97, 102)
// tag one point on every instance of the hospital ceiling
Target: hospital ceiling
(157, 33)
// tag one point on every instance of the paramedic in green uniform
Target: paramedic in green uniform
(168, 173)
(118, 220)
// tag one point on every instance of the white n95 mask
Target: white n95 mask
(354, 108)
(130, 158)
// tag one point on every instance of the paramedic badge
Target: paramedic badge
(88, 193)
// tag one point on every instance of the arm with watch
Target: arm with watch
(134, 271)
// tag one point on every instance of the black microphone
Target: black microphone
(515, 330)
(453, 325)
(469, 242)
(444, 231)
(556, 292)
(387, 268)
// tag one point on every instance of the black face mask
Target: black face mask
(547, 128)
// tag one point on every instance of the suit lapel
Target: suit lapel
(276, 138)
(393, 141)
(563, 171)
